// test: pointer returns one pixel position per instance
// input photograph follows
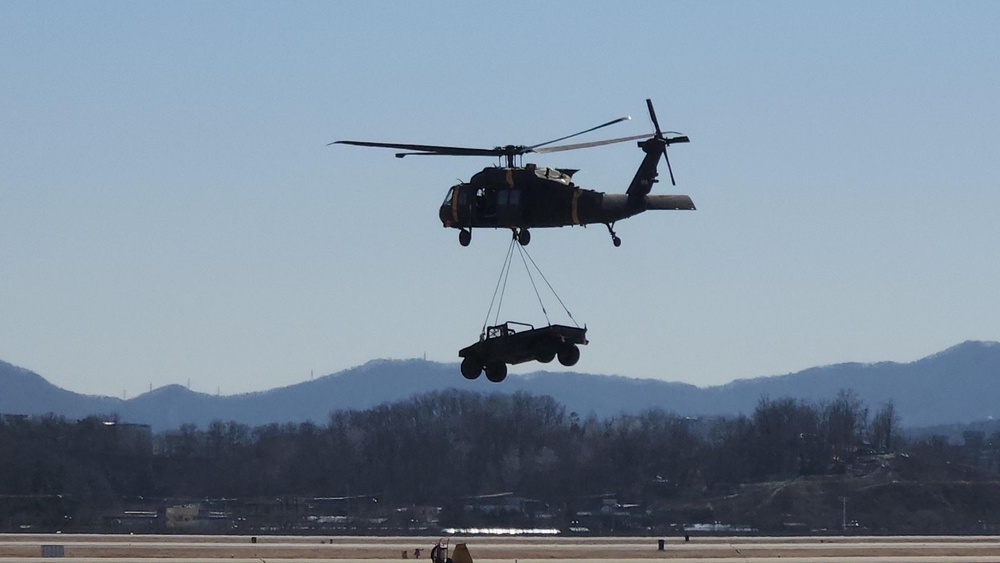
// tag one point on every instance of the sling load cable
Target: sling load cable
(506, 278)
(524, 252)
(501, 287)
(545, 313)
(504, 273)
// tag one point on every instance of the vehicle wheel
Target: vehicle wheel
(464, 237)
(471, 368)
(569, 355)
(545, 356)
(523, 237)
(617, 241)
(496, 372)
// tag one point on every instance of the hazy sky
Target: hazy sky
(169, 209)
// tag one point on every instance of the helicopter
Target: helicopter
(525, 197)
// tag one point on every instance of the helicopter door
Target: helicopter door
(487, 206)
(509, 207)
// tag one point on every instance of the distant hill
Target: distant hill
(26, 392)
(958, 385)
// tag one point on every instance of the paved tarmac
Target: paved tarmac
(496, 549)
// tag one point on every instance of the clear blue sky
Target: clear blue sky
(169, 209)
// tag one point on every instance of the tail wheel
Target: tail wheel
(614, 237)
(471, 368)
(496, 372)
(464, 237)
(568, 356)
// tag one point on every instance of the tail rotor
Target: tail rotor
(665, 140)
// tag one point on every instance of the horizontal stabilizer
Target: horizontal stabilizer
(675, 202)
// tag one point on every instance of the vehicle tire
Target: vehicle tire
(545, 355)
(569, 355)
(471, 368)
(496, 372)
(464, 237)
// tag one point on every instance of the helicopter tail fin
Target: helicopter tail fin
(654, 147)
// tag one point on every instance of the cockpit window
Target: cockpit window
(448, 198)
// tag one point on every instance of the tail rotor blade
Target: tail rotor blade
(652, 115)
(669, 169)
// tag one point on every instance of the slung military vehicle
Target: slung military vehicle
(504, 344)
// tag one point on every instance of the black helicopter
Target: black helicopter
(525, 197)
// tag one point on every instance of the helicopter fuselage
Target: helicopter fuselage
(525, 197)
(534, 197)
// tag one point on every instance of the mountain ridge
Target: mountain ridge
(958, 384)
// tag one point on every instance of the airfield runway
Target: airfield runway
(211, 549)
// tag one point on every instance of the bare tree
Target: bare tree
(883, 433)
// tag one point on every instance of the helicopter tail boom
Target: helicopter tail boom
(671, 202)
(615, 207)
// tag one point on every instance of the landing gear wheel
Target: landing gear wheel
(497, 372)
(523, 237)
(568, 356)
(614, 238)
(546, 356)
(464, 237)
(471, 368)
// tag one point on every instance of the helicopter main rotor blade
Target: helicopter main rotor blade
(509, 150)
(404, 154)
(425, 149)
(561, 148)
(612, 122)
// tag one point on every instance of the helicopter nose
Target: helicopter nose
(445, 214)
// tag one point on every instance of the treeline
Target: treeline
(446, 447)
(462, 444)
